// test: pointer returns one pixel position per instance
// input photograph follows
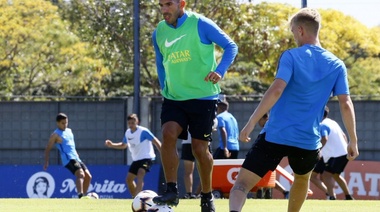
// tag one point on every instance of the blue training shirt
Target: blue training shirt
(228, 121)
(66, 149)
(312, 75)
(209, 33)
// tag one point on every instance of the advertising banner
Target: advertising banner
(58, 182)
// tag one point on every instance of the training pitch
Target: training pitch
(114, 205)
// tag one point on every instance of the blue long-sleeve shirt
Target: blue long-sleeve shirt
(208, 33)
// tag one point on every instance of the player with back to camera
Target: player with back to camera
(138, 140)
(63, 139)
(188, 73)
(306, 78)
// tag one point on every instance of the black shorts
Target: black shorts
(196, 116)
(336, 165)
(320, 167)
(265, 156)
(219, 154)
(187, 153)
(144, 164)
(74, 165)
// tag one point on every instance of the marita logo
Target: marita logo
(40, 185)
(109, 186)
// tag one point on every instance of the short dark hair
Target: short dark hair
(223, 104)
(61, 116)
(133, 116)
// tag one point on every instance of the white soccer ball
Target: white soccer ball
(160, 208)
(143, 201)
(93, 195)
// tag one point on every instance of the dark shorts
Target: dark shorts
(194, 115)
(320, 167)
(219, 154)
(74, 165)
(144, 164)
(336, 165)
(265, 156)
(187, 153)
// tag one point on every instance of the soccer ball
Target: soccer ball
(160, 208)
(93, 195)
(143, 201)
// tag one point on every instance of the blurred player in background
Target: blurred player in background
(334, 153)
(228, 133)
(139, 141)
(63, 139)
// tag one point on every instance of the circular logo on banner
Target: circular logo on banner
(40, 185)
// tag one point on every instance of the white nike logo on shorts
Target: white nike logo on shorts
(169, 44)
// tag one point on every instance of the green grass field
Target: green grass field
(28, 205)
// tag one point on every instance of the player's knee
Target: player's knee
(88, 176)
(80, 173)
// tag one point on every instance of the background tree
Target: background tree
(88, 49)
(39, 56)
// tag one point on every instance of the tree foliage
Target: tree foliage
(39, 56)
(88, 48)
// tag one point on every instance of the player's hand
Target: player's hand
(227, 153)
(108, 143)
(213, 77)
(244, 133)
(352, 151)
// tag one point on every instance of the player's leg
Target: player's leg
(144, 167)
(201, 121)
(87, 178)
(262, 157)
(130, 180)
(316, 176)
(188, 177)
(74, 167)
(302, 162)
(188, 162)
(131, 176)
(243, 184)
(336, 166)
(140, 180)
(173, 121)
(204, 163)
(329, 181)
(298, 191)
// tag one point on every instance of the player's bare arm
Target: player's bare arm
(119, 145)
(270, 97)
(157, 143)
(348, 117)
(52, 140)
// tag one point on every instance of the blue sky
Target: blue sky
(365, 11)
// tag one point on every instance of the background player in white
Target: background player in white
(139, 141)
(63, 139)
(334, 154)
